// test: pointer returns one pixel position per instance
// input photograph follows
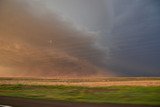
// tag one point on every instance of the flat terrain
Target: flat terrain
(115, 92)
(21, 102)
(91, 82)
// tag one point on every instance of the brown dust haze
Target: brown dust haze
(36, 42)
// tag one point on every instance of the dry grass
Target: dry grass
(94, 82)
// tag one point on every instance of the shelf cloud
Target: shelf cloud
(79, 38)
(35, 43)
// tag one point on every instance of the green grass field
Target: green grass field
(112, 94)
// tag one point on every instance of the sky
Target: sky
(79, 38)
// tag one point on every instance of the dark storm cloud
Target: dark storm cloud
(35, 41)
(134, 37)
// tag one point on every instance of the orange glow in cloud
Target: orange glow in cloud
(44, 46)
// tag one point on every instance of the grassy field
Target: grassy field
(147, 95)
